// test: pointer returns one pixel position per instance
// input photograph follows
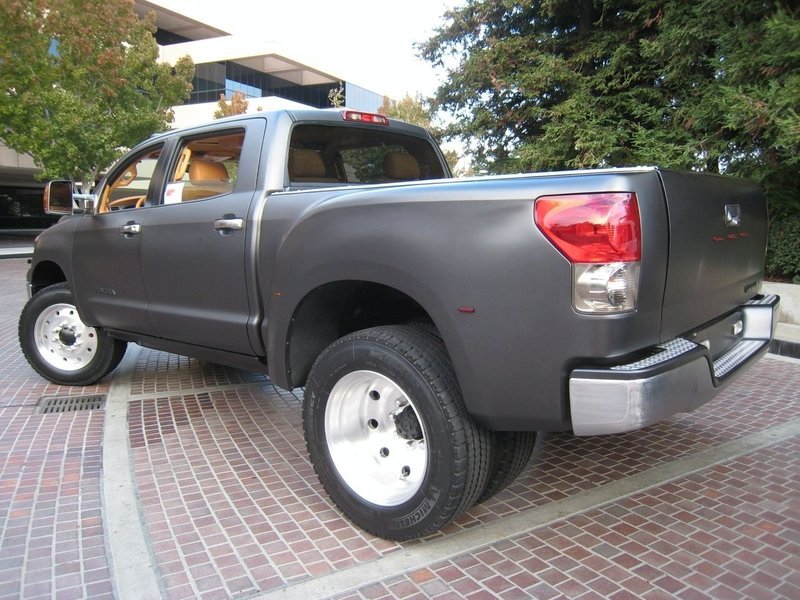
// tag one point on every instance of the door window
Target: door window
(130, 182)
(207, 167)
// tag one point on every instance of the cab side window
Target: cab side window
(207, 167)
(128, 186)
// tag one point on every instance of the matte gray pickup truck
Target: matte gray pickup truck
(435, 324)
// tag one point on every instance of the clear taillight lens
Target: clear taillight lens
(605, 288)
(601, 235)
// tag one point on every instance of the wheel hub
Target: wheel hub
(407, 424)
(67, 336)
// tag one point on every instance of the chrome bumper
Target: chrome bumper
(679, 377)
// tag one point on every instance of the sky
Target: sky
(367, 42)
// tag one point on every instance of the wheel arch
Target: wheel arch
(335, 309)
(45, 274)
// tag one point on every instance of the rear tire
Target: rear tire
(388, 434)
(512, 451)
(59, 345)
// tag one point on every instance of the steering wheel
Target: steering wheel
(127, 202)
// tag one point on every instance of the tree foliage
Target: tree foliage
(237, 106)
(80, 80)
(710, 85)
(411, 110)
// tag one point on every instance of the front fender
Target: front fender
(52, 256)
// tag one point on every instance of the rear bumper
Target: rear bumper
(679, 377)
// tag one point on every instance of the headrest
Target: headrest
(399, 165)
(205, 170)
(305, 164)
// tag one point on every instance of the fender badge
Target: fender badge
(733, 215)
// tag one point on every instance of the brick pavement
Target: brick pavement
(231, 508)
(52, 542)
(731, 531)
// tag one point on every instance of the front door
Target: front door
(107, 273)
(194, 243)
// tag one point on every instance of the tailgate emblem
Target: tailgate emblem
(733, 215)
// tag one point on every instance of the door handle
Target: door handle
(228, 224)
(130, 229)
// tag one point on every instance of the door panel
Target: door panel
(195, 273)
(107, 273)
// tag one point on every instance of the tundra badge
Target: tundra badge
(733, 215)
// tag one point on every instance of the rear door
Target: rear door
(194, 243)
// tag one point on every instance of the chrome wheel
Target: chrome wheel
(375, 438)
(62, 340)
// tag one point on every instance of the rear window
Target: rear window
(346, 154)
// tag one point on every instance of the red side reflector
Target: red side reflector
(362, 117)
(592, 228)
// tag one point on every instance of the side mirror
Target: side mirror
(58, 198)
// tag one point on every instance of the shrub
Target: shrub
(783, 249)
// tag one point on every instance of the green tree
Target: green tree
(547, 84)
(80, 81)
(237, 105)
(411, 110)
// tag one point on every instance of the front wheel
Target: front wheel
(59, 345)
(389, 436)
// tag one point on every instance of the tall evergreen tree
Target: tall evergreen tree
(711, 85)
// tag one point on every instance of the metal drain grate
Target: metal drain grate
(62, 404)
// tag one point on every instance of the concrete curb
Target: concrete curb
(132, 563)
(16, 252)
(790, 300)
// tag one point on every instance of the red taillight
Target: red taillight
(362, 117)
(592, 228)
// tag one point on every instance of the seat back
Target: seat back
(308, 166)
(206, 179)
(401, 166)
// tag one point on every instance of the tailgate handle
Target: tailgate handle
(228, 224)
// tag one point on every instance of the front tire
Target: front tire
(388, 434)
(59, 345)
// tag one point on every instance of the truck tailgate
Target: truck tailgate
(717, 237)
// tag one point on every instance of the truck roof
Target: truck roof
(333, 115)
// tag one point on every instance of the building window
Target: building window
(21, 208)
(215, 79)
